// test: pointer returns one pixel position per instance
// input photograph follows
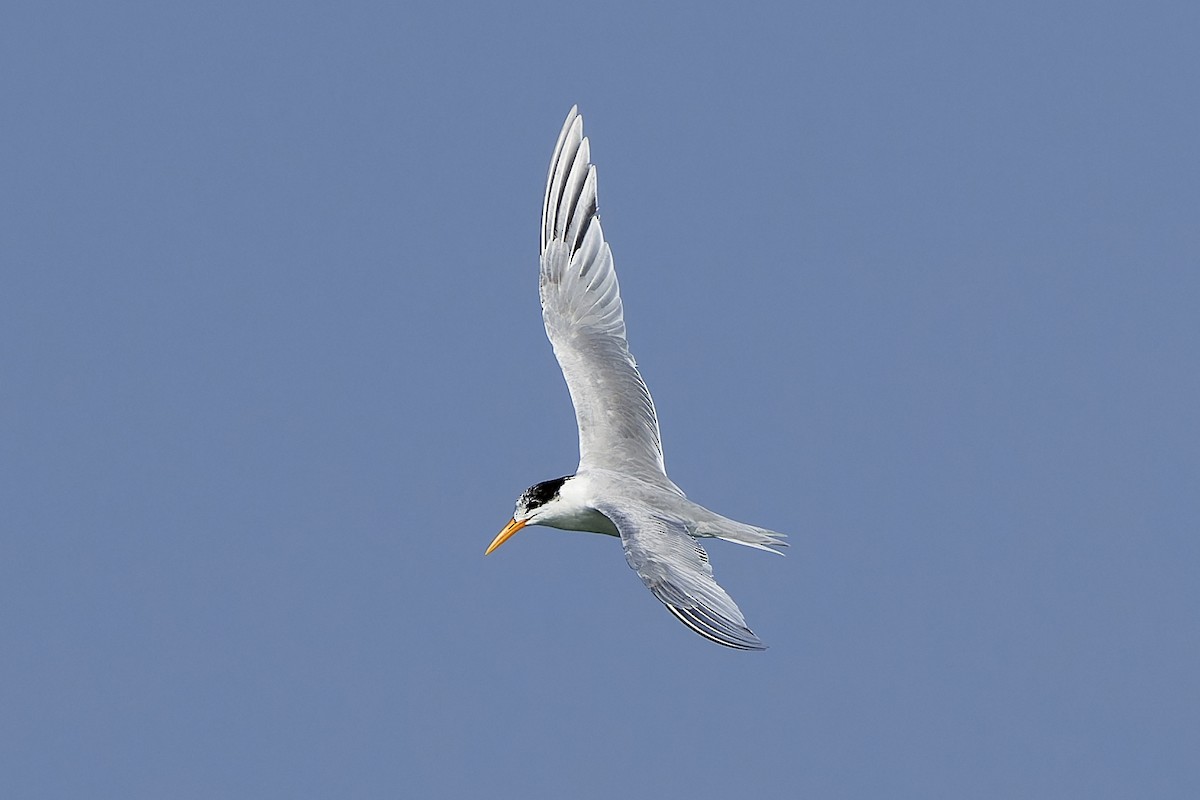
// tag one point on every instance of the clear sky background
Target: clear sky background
(916, 283)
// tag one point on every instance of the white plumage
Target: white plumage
(621, 486)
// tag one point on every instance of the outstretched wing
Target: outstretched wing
(581, 306)
(675, 568)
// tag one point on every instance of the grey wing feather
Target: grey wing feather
(581, 307)
(675, 568)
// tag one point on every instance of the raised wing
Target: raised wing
(581, 306)
(675, 568)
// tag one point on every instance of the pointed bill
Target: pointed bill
(503, 536)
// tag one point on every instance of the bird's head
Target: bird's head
(534, 503)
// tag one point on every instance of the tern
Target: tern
(620, 487)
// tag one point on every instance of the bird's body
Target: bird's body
(621, 487)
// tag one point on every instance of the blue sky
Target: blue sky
(915, 283)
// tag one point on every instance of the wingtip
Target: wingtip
(715, 629)
(572, 115)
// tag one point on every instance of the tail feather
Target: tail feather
(741, 533)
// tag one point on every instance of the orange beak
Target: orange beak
(503, 536)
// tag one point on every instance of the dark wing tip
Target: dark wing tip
(712, 627)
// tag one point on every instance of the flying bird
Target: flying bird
(620, 487)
